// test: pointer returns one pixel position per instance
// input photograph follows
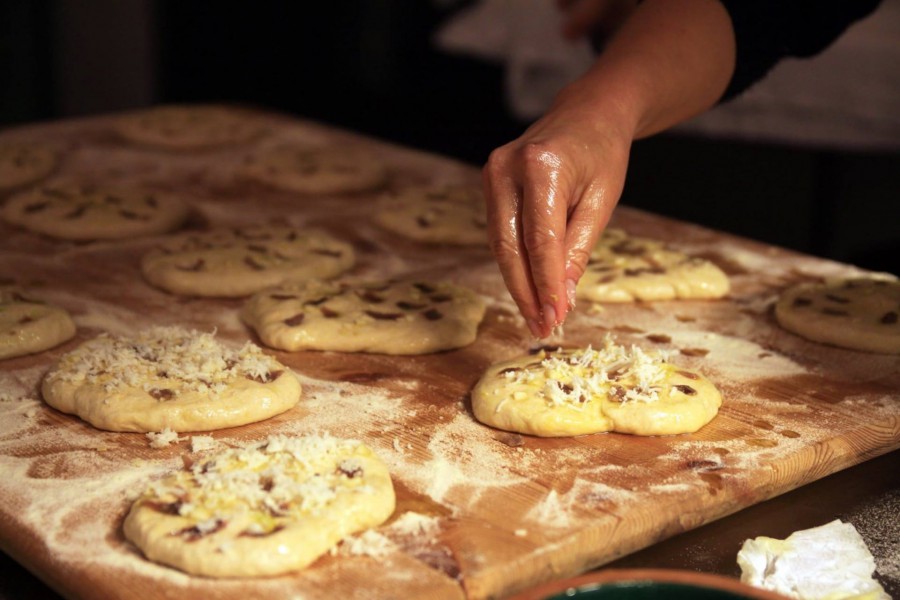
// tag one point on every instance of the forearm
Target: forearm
(671, 60)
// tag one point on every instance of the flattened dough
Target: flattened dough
(24, 164)
(266, 509)
(28, 326)
(574, 392)
(305, 170)
(238, 262)
(627, 269)
(169, 378)
(857, 313)
(385, 318)
(87, 212)
(189, 127)
(449, 214)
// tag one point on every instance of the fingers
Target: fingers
(585, 16)
(504, 213)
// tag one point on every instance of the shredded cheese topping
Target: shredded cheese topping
(575, 378)
(282, 478)
(164, 361)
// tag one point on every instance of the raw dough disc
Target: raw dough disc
(185, 127)
(23, 164)
(87, 212)
(855, 313)
(169, 378)
(266, 509)
(385, 318)
(451, 214)
(573, 392)
(316, 170)
(239, 262)
(28, 326)
(627, 269)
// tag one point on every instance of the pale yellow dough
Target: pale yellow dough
(267, 509)
(169, 378)
(401, 317)
(24, 164)
(239, 262)
(437, 214)
(855, 313)
(189, 127)
(310, 170)
(28, 327)
(86, 212)
(575, 392)
(623, 268)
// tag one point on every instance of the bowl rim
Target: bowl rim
(674, 576)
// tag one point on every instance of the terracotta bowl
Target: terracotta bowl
(647, 584)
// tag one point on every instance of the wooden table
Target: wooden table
(511, 511)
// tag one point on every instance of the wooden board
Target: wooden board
(510, 511)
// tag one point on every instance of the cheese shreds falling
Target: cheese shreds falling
(577, 377)
(265, 483)
(179, 359)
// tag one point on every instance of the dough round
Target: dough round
(266, 509)
(86, 212)
(627, 269)
(574, 392)
(856, 313)
(238, 262)
(28, 327)
(169, 378)
(185, 127)
(316, 170)
(24, 164)
(450, 214)
(385, 318)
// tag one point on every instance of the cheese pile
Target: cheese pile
(576, 377)
(188, 360)
(830, 562)
(280, 477)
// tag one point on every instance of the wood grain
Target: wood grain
(513, 511)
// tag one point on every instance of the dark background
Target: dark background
(369, 65)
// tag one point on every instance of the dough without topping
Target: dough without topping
(168, 378)
(266, 509)
(87, 212)
(185, 127)
(27, 327)
(575, 392)
(308, 170)
(854, 313)
(381, 317)
(625, 269)
(239, 262)
(449, 214)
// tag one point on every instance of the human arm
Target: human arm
(551, 191)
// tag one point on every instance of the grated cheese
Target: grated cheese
(163, 438)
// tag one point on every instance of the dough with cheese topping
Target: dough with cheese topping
(856, 313)
(239, 262)
(623, 268)
(28, 326)
(311, 170)
(437, 214)
(87, 212)
(169, 378)
(574, 392)
(401, 317)
(267, 509)
(189, 127)
(24, 164)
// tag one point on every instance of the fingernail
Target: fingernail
(550, 316)
(570, 292)
(534, 328)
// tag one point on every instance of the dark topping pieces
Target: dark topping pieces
(801, 301)
(162, 394)
(834, 312)
(198, 265)
(295, 320)
(688, 375)
(424, 288)
(371, 297)
(194, 533)
(280, 297)
(268, 377)
(328, 313)
(889, 318)
(250, 262)
(838, 299)
(410, 306)
(350, 471)
(383, 316)
(326, 252)
(685, 389)
(432, 314)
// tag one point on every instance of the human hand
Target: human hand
(549, 195)
(600, 17)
